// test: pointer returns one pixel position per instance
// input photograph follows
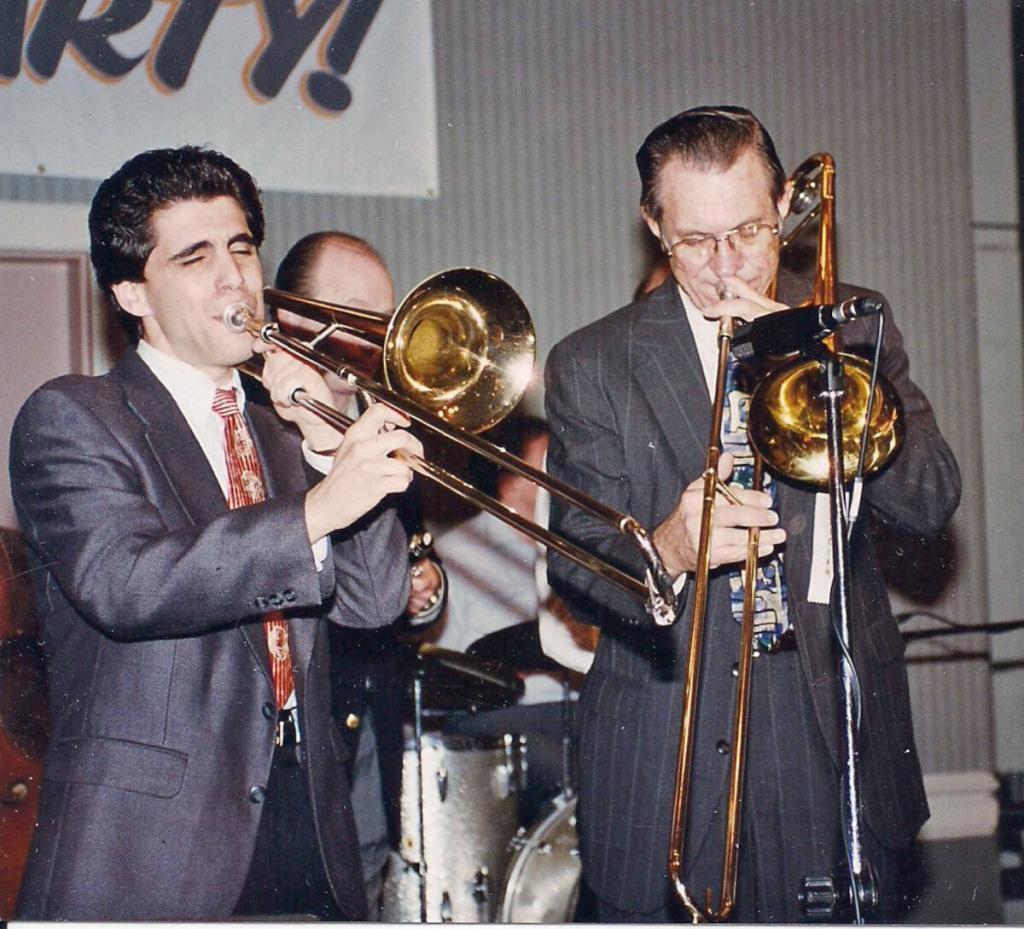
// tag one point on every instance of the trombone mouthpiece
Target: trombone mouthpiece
(236, 316)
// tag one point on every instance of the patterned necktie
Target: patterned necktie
(771, 609)
(245, 487)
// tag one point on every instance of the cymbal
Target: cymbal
(454, 682)
(517, 646)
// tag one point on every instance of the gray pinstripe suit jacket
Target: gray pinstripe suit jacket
(629, 412)
(150, 590)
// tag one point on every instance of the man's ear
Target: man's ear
(131, 297)
(785, 199)
(655, 228)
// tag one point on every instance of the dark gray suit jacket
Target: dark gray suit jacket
(630, 416)
(150, 592)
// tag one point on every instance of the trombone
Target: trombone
(457, 356)
(786, 430)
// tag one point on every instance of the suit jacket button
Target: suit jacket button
(352, 721)
(257, 794)
(289, 595)
(276, 601)
(268, 710)
(261, 603)
(722, 747)
(797, 524)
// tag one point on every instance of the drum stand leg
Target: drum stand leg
(421, 868)
(567, 773)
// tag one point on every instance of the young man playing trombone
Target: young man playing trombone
(629, 407)
(190, 551)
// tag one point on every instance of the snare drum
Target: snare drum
(543, 881)
(470, 813)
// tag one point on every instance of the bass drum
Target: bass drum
(543, 881)
(470, 815)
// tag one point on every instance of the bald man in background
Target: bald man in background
(366, 673)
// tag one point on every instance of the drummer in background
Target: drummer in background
(492, 575)
(367, 680)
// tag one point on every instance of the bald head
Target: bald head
(338, 268)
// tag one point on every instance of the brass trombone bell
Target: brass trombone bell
(461, 344)
(786, 421)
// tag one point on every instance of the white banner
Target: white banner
(332, 96)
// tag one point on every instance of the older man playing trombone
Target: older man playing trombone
(629, 405)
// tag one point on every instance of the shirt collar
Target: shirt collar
(191, 389)
(705, 337)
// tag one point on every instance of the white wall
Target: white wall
(996, 220)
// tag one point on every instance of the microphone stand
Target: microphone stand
(824, 898)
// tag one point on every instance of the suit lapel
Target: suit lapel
(182, 461)
(669, 374)
(171, 440)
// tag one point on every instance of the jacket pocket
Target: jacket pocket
(118, 763)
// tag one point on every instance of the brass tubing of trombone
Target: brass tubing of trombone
(377, 327)
(740, 722)
(269, 333)
(799, 228)
(825, 276)
(369, 325)
(691, 693)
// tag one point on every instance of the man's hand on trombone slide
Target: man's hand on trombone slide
(677, 539)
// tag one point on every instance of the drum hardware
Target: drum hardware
(482, 891)
(445, 681)
(567, 773)
(514, 773)
(518, 646)
(421, 866)
(543, 877)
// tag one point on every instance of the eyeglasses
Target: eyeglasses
(750, 237)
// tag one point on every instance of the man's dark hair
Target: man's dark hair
(295, 272)
(706, 137)
(121, 216)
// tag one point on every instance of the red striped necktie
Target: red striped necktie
(246, 487)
